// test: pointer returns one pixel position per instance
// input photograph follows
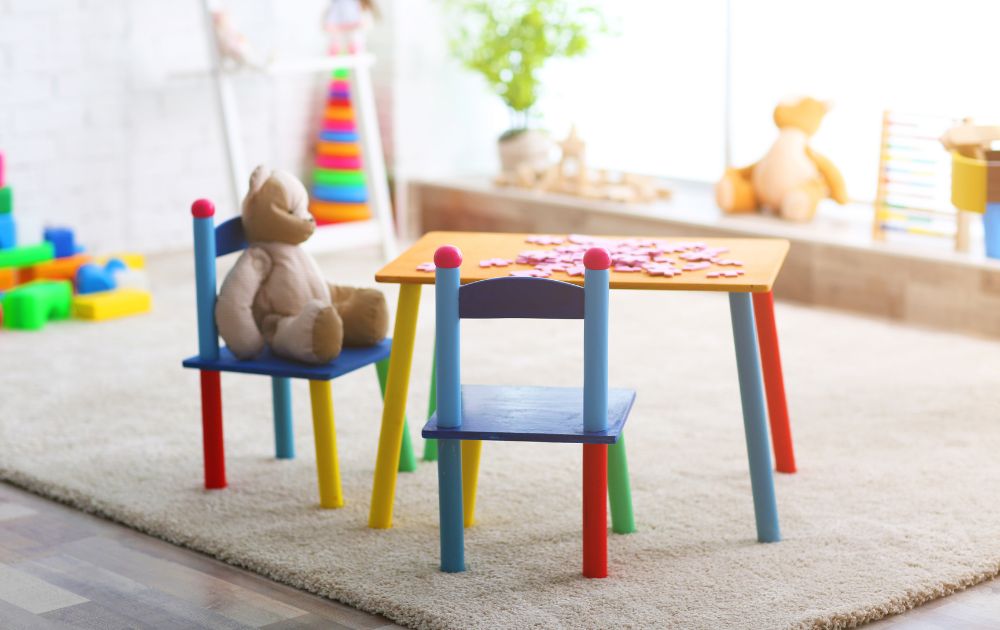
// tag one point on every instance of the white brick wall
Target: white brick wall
(102, 136)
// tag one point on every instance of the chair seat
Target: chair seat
(350, 359)
(531, 414)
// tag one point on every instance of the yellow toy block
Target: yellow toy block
(132, 261)
(104, 305)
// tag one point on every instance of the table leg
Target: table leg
(394, 408)
(407, 460)
(431, 446)
(774, 382)
(619, 489)
(471, 451)
(754, 417)
(281, 401)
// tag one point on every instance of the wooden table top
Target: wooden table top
(761, 257)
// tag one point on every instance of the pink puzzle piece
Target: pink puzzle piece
(427, 266)
(544, 239)
(530, 273)
(696, 266)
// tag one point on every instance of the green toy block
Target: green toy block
(27, 255)
(30, 305)
(6, 200)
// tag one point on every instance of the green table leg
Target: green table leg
(407, 460)
(619, 489)
(431, 446)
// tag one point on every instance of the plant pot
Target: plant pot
(529, 147)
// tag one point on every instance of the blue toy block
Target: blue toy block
(530, 414)
(91, 278)
(62, 239)
(524, 298)
(8, 231)
(267, 364)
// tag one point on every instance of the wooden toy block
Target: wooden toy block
(62, 239)
(30, 306)
(8, 231)
(27, 255)
(106, 305)
(6, 200)
(58, 269)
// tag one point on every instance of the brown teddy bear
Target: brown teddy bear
(791, 178)
(276, 295)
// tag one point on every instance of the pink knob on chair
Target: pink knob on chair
(448, 257)
(597, 258)
(202, 209)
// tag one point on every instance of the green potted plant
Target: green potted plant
(508, 42)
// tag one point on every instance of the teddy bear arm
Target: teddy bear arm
(831, 175)
(233, 309)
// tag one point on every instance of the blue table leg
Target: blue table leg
(281, 398)
(754, 417)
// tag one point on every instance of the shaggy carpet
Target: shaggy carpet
(896, 431)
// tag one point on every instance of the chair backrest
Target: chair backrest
(519, 297)
(209, 243)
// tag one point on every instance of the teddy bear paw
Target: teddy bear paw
(328, 334)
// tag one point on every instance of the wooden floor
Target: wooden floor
(61, 568)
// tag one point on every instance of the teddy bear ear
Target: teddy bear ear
(258, 177)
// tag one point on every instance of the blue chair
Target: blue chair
(209, 243)
(592, 415)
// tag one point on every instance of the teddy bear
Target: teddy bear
(791, 178)
(275, 294)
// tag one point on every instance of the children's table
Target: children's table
(751, 307)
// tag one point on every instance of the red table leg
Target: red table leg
(595, 510)
(774, 382)
(211, 425)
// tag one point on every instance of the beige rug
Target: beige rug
(896, 503)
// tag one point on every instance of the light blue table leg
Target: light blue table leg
(754, 417)
(281, 398)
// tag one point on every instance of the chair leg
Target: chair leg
(471, 451)
(620, 489)
(774, 382)
(397, 386)
(325, 435)
(595, 510)
(450, 505)
(754, 418)
(430, 446)
(407, 459)
(281, 400)
(211, 429)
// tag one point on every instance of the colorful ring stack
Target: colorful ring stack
(339, 193)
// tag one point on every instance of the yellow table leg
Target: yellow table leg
(325, 433)
(394, 407)
(471, 450)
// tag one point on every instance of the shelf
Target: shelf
(286, 66)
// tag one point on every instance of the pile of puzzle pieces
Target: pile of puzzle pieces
(56, 279)
(634, 255)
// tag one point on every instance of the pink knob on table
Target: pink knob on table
(448, 257)
(203, 208)
(597, 258)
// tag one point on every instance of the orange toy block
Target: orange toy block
(56, 269)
